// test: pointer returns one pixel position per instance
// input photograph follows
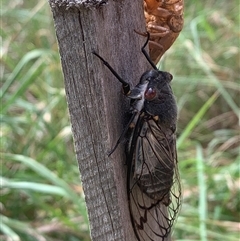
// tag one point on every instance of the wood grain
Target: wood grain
(96, 104)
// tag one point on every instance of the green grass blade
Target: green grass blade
(37, 187)
(5, 229)
(195, 120)
(202, 207)
(196, 53)
(48, 175)
(10, 224)
(35, 54)
(29, 78)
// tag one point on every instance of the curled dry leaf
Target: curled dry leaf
(164, 22)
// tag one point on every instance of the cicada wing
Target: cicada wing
(153, 188)
(149, 217)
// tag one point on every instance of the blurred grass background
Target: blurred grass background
(41, 195)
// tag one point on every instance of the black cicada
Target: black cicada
(153, 185)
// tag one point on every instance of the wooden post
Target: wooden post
(95, 102)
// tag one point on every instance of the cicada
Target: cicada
(153, 184)
(164, 22)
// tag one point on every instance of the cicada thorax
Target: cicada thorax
(164, 21)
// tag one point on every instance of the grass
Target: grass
(42, 198)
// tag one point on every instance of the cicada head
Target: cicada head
(158, 96)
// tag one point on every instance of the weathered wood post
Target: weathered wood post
(95, 100)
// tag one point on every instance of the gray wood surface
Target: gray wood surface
(96, 104)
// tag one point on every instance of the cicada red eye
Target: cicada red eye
(150, 94)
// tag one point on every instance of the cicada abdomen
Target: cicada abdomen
(164, 22)
(153, 184)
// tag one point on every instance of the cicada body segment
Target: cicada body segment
(164, 22)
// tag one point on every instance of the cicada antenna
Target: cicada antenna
(143, 48)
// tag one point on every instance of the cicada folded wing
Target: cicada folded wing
(154, 190)
(164, 22)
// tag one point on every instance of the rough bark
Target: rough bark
(96, 105)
